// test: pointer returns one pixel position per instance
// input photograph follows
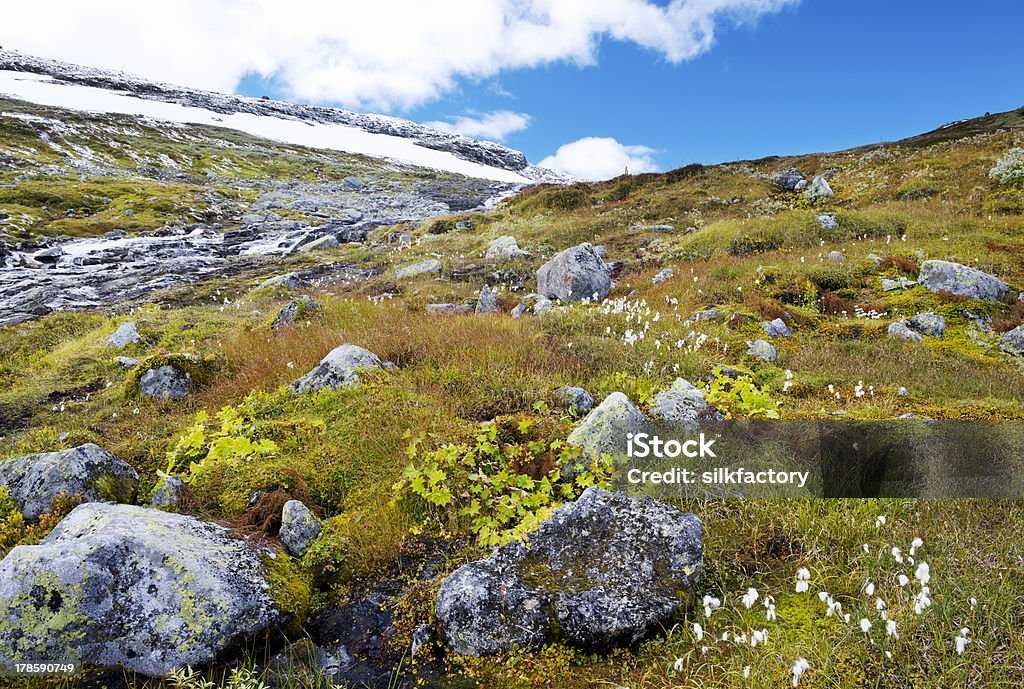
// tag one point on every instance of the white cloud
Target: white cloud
(596, 158)
(377, 55)
(494, 125)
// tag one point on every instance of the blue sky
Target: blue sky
(588, 87)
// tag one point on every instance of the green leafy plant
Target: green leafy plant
(741, 397)
(207, 448)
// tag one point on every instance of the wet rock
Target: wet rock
(300, 307)
(762, 349)
(604, 430)
(946, 276)
(684, 408)
(788, 180)
(288, 280)
(487, 302)
(1012, 342)
(165, 383)
(299, 527)
(430, 267)
(168, 492)
(576, 400)
(33, 481)
(928, 324)
(575, 274)
(902, 330)
(125, 335)
(340, 368)
(604, 571)
(776, 328)
(119, 586)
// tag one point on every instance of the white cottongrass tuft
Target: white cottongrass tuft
(750, 597)
(865, 625)
(799, 668)
(803, 578)
(961, 641)
(923, 573)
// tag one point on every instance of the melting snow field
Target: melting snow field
(44, 90)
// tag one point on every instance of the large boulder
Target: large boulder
(902, 330)
(762, 349)
(776, 328)
(604, 431)
(789, 180)
(339, 369)
(505, 249)
(946, 276)
(429, 267)
(130, 587)
(684, 408)
(818, 191)
(928, 323)
(576, 400)
(575, 274)
(604, 571)
(34, 481)
(487, 302)
(1012, 341)
(165, 383)
(125, 335)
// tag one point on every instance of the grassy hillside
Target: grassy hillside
(740, 246)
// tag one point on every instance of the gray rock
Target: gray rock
(299, 527)
(945, 276)
(663, 274)
(297, 308)
(902, 330)
(167, 492)
(575, 274)
(125, 335)
(1012, 342)
(326, 242)
(449, 309)
(837, 256)
(127, 362)
(505, 248)
(119, 586)
(604, 571)
(165, 383)
(903, 392)
(542, 306)
(900, 283)
(706, 315)
(664, 229)
(788, 180)
(929, 324)
(776, 328)
(429, 267)
(340, 368)
(762, 349)
(684, 408)
(33, 481)
(576, 400)
(876, 259)
(487, 302)
(827, 221)
(353, 183)
(818, 191)
(288, 280)
(603, 432)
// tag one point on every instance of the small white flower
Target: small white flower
(799, 668)
(904, 580)
(711, 604)
(890, 629)
(865, 625)
(879, 521)
(923, 573)
(866, 547)
(823, 596)
(758, 636)
(922, 600)
(770, 613)
(880, 604)
(962, 641)
(974, 603)
(679, 665)
(869, 589)
(746, 672)
(915, 544)
(698, 632)
(749, 598)
(897, 554)
(803, 578)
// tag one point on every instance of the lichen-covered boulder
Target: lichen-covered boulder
(131, 587)
(902, 330)
(167, 492)
(165, 383)
(946, 276)
(928, 323)
(576, 400)
(762, 349)
(125, 335)
(33, 481)
(818, 191)
(776, 328)
(788, 179)
(288, 281)
(505, 249)
(604, 431)
(487, 302)
(1012, 341)
(575, 274)
(299, 527)
(604, 571)
(300, 307)
(429, 267)
(340, 368)
(684, 408)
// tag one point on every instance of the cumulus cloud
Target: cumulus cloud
(379, 55)
(597, 158)
(494, 125)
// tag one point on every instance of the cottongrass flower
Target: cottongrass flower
(890, 629)
(915, 544)
(746, 672)
(904, 580)
(803, 578)
(923, 573)
(711, 604)
(961, 641)
(897, 554)
(922, 600)
(799, 668)
(879, 521)
(698, 632)
(865, 625)
(749, 598)
(758, 636)
(679, 665)
(869, 590)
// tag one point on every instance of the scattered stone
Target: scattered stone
(930, 324)
(604, 430)
(576, 400)
(167, 492)
(776, 328)
(1012, 342)
(33, 481)
(429, 267)
(127, 362)
(297, 308)
(339, 369)
(900, 283)
(353, 183)
(827, 221)
(449, 309)
(299, 527)
(505, 248)
(837, 256)
(946, 276)
(664, 229)
(422, 637)
(902, 330)
(487, 302)
(706, 315)
(903, 392)
(684, 407)
(542, 306)
(762, 349)
(604, 571)
(288, 280)
(818, 191)
(463, 225)
(132, 588)
(575, 274)
(325, 242)
(789, 180)
(125, 335)
(165, 383)
(663, 275)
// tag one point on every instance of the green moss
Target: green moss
(289, 588)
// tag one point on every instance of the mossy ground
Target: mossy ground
(740, 247)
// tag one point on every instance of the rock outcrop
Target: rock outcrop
(946, 276)
(575, 274)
